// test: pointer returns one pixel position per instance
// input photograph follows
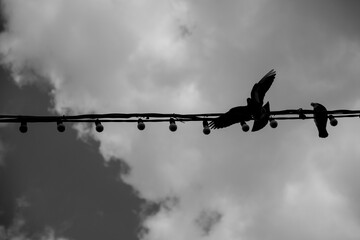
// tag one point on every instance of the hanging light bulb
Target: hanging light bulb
(273, 123)
(60, 126)
(172, 126)
(23, 127)
(98, 126)
(244, 126)
(141, 124)
(206, 129)
(333, 121)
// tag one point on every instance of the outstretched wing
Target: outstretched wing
(234, 115)
(259, 90)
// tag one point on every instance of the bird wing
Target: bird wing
(234, 115)
(259, 89)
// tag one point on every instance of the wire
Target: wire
(289, 114)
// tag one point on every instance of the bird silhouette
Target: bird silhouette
(256, 100)
(239, 114)
(253, 110)
(263, 119)
(320, 119)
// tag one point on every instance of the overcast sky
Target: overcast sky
(179, 56)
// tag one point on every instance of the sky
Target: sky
(178, 56)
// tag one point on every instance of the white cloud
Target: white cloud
(182, 56)
(310, 209)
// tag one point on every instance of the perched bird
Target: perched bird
(253, 110)
(238, 114)
(320, 119)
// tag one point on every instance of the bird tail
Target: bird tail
(323, 133)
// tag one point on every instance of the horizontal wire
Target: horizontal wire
(165, 117)
(105, 120)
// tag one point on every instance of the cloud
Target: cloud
(184, 56)
(332, 16)
(15, 231)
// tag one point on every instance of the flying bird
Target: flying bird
(239, 114)
(253, 110)
(320, 119)
(256, 100)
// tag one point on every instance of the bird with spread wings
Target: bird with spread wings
(253, 110)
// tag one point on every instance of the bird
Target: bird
(262, 121)
(238, 114)
(259, 112)
(320, 119)
(256, 100)
(253, 110)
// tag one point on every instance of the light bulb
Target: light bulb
(206, 129)
(23, 127)
(333, 121)
(141, 124)
(245, 127)
(60, 126)
(273, 123)
(98, 126)
(172, 126)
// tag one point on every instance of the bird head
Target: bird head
(314, 104)
(248, 100)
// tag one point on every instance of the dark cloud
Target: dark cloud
(337, 16)
(207, 220)
(2, 18)
(264, 184)
(57, 181)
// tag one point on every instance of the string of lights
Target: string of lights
(255, 110)
(142, 118)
